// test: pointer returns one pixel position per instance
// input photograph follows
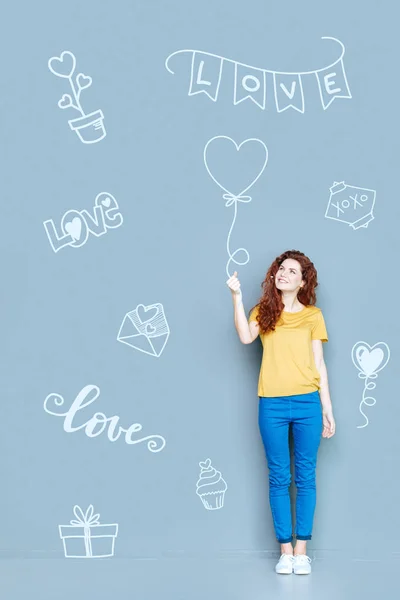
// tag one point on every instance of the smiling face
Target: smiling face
(288, 277)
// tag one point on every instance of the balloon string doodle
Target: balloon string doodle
(234, 199)
(368, 386)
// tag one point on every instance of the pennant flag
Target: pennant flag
(206, 75)
(332, 83)
(288, 90)
(250, 83)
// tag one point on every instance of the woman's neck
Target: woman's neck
(291, 303)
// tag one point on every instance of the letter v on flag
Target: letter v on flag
(288, 91)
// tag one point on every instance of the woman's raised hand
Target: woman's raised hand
(234, 284)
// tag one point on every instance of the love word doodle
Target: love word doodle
(99, 421)
(76, 225)
(88, 127)
(351, 205)
(369, 360)
(242, 164)
(251, 82)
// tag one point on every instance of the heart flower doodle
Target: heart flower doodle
(89, 127)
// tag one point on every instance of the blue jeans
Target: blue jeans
(275, 414)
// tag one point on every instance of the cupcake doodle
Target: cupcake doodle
(211, 486)
(88, 127)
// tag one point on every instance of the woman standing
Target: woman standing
(292, 389)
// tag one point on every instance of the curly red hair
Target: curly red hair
(271, 304)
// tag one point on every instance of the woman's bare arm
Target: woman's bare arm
(247, 332)
(322, 370)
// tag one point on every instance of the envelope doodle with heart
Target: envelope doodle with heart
(146, 329)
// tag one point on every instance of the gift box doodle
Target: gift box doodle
(351, 205)
(86, 537)
(146, 329)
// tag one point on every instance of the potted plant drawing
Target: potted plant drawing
(89, 127)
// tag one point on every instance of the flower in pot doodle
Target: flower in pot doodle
(211, 486)
(247, 159)
(369, 360)
(146, 329)
(89, 127)
(351, 205)
(86, 537)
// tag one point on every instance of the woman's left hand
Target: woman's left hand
(329, 423)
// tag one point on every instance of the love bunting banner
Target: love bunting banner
(250, 83)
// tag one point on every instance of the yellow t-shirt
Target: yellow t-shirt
(288, 366)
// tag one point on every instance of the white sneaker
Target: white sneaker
(301, 564)
(285, 564)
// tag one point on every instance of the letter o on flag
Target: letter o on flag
(252, 79)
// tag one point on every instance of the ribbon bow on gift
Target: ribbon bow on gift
(85, 520)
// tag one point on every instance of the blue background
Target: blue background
(61, 312)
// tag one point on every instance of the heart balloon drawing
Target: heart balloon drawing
(369, 360)
(89, 127)
(244, 162)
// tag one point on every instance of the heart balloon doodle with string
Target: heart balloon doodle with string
(235, 168)
(369, 360)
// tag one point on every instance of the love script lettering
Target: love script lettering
(99, 421)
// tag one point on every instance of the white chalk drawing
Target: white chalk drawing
(260, 158)
(351, 205)
(250, 83)
(86, 537)
(211, 486)
(369, 360)
(145, 328)
(89, 127)
(76, 225)
(99, 421)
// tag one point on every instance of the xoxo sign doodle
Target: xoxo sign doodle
(351, 205)
(99, 421)
(77, 224)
